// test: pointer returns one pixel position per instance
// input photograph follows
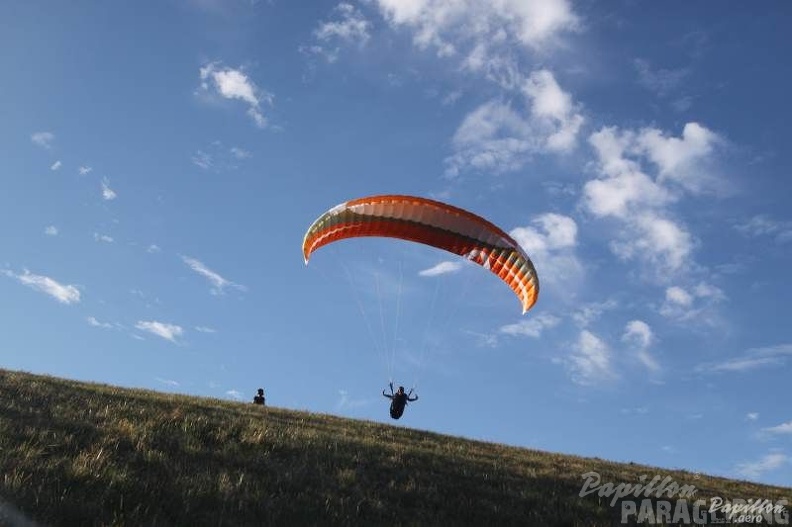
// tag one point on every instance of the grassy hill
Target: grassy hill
(79, 454)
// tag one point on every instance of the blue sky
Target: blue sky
(160, 163)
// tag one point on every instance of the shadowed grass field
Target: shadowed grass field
(77, 454)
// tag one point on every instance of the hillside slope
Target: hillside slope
(74, 453)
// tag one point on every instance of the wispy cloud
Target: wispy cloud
(65, 294)
(219, 284)
(591, 312)
(682, 304)
(235, 395)
(441, 268)
(168, 382)
(639, 337)
(51, 230)
(752, 416)
(498, 137)
(768, 463)
(163, 330)
(108, 194)
(751, 359)
(216, 157)
(153, 248)
(97, 324)
(782, 429)
(591, 362)
(349, 26)
(347, 402)
(43, 139)
(763, 225)
(56, 165)
(205, 329)
(239, 153)
(659, 80)
(84, 170)
(103, 238)
(532, 327)
(234, 84)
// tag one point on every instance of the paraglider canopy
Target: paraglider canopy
(432, 223)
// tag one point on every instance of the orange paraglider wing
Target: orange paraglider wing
(432, 223)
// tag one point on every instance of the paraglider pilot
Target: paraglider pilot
(259, 398)
(398, 400)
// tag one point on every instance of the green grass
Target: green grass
(77, 454)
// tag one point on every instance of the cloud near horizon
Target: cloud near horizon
(65, 294)
(170, 332)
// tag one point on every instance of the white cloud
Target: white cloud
(550, 242)
(168, 382)
(108, 194)
(682, 160)
(153, 248)
(166, 331)
(532, 327)
(95, 323)
(234, 84)
(43, 139)
(591, 362)
(492, 138)
(751, 359)
(441, 268)
(65, 294)
(554, 108)
(329, 55)
(752, 416)
(351, 27)
(205, 329)
(218, 282)
(56, 165)
(782, 429)
(769, 462)
(497, 138)
(448, 26)
(218, 158)
(663, 244)
(624, 191)
(239, 153)
(235, 394)
(683, 305)
(202, 159)
(103, 238)
(84, 170)
(638, 335)
(589, 313)
(51, 230)
(451, 97)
